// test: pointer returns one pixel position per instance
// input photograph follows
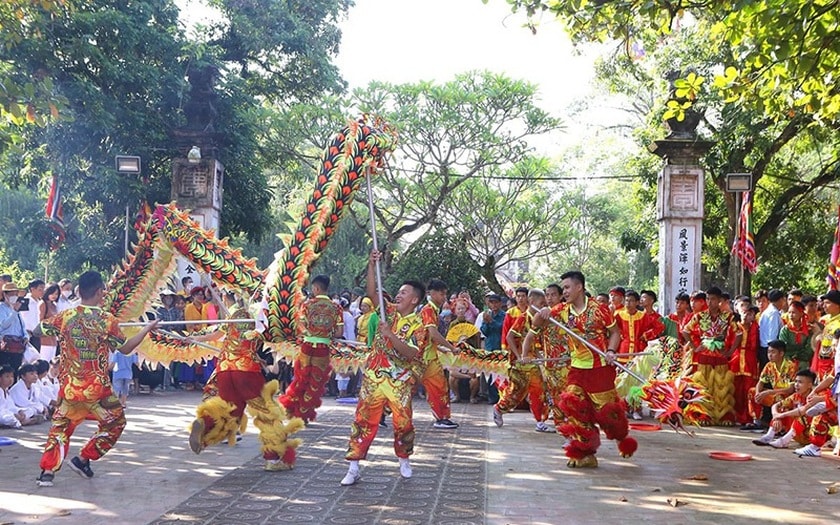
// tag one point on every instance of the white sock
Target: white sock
(354, 465)
(403, 461)
(787, 438)
(770, 434)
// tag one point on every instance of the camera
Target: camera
(24, 304)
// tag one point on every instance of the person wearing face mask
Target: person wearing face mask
(65, 300)
(13, 336)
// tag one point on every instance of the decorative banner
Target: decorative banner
(744, 245)
(55, 213)
(682, 269)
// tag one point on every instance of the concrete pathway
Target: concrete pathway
(476, 474)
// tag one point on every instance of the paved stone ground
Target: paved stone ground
(447, 486)
(477, 474)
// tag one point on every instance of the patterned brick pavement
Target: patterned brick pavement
(447, 487)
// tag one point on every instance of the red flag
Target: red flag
(833, 277)
(55, 213)
(744, 246)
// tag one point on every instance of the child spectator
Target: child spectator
(120, 365)
(25, 395)
(44, 391)
(342, 380)
(789, 418)
(774, 383)
(10, 414)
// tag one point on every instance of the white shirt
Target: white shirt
(46, 390)
(32, 317)
(63, 303)
(8, 410)
(26, 397)
(349, 326)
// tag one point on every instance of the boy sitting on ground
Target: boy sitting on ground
(774, 384)
(10, 414)
(788, 413)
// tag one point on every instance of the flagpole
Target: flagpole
(738, 232)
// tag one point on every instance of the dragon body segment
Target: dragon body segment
(354, 151)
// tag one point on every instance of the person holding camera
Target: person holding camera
(13, 336)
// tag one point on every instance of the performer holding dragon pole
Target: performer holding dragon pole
(240, 384)
(321, 320)
(590, 398)
(396, 350)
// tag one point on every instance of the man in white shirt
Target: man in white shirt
(32, 316)
(25, 394)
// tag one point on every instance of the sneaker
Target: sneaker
(81, 467)
(751, 426)
(816, 410)
(542, 427)
(779, 442)
(45, 479)
(808, 450)
(445, 423)
(405, 468)
(497, 417)
(196, 433)
(350, 478)
(637, 416)
(764, 441)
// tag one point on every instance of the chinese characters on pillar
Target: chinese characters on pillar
(682, 269)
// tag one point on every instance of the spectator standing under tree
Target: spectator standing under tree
(32, 316)
(65, 300)
(49, 308)
(13, 335)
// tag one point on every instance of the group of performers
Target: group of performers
(563, 348)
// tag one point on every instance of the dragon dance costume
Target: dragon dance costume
(590, 398)
(320, 320)
(239, 383)
(86, 335)
(710, 334)
(431, 373)
(524, 379)
(388, 380)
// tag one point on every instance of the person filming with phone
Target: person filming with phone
(13, 336)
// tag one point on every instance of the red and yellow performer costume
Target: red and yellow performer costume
(710, 335)
(823, 361)
(239, 383)
(431, 373)
(86, 335)
(773, 377)
(320, 319)
(555, 374)
(636, 330)
(388, 380)
(744, 365)
(590, 398)
(523, 378)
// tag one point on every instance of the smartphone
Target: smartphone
(24, 304)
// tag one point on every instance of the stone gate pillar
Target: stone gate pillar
(679, 210)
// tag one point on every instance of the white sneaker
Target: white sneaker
(497, 417)
(405, 468)
(781, 442)
(808, 450)
(351, 477)
(543, 427)
(637, 416)
(765, 440)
